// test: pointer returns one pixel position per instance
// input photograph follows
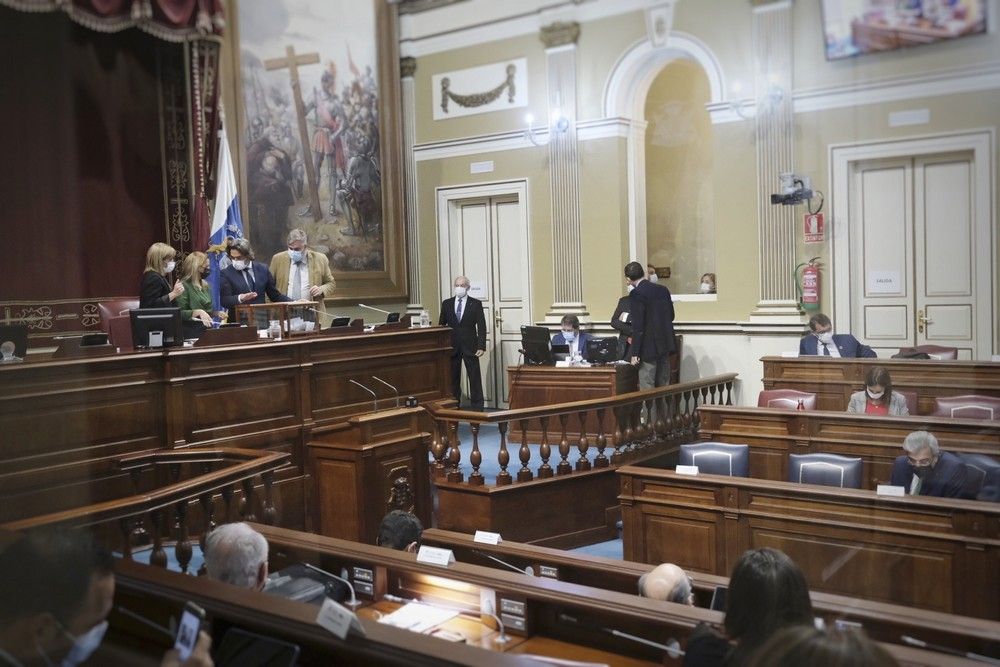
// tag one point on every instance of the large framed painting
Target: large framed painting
(320, 140)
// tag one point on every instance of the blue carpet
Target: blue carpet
(610, 549)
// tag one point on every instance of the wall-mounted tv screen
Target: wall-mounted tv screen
(856, 27)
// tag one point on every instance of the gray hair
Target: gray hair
(297, 235)
(919, 440)
(242, 246)
(234, 553)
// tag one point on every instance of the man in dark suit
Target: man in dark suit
(464, 314)
(571, 336)
(621, 322)
(652, 327)
(924, 470)
(822, 341)
(244, 280)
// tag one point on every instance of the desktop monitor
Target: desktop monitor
(391, 317)
(340, 321)
(17, 337)
(536, 345)
(601, 350)
(163, 323)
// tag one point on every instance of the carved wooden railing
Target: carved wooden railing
(178, 478)
(634, 435)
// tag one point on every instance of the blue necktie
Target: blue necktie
(458, 311)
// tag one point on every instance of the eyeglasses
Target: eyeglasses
(920, 463)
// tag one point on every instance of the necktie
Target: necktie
(458, 311)
(826, 350)
(248, 276)
(297, 282)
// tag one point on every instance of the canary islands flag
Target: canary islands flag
(226, 221)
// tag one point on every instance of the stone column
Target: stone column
(407, 67)
(774, 126)
(564, 169)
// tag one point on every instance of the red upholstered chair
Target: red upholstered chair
(933, 351)
(970, 406)
(115, 308)
(786, 398)
(911, 400)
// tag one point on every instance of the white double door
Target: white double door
(920, 254)
(484, 237)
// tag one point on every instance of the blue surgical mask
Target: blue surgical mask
(83, 646)
(569, 335)
(295, 255)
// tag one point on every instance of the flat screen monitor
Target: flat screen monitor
(14, 336)
(163, 321)
(601, 350)
(536, 345)
(718, 599)
(240, 648)
(340, 321)
(391, 317)
(858, 27)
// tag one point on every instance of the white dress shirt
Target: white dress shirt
(302, 268)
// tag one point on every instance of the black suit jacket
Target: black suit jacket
(154, 290)
(624, 328)
(468, 335)
(232, 284)
(946, 480)
(652, 321)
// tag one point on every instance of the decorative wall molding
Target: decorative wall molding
(460, 92)
(560, 34)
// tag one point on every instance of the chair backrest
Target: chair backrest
(938, 352)
(114, 308)
(982, 479)
(120, 332)
(786, 398)
(717, 458)
(825, 469)
(911, 401)
(970, 406)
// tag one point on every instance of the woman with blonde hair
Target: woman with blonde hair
(195, 301)
(155, 291)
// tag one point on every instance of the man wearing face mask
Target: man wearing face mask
(302, 273)
(464, 314)
(823, 342)
(244, 280)
(572, 336)
(56, 593)
(652, 312)
(924, 470)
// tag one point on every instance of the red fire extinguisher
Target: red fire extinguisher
(808, 284)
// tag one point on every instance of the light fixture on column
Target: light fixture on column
(769, 101)
(558, 122)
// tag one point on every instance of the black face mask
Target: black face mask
(921, 471)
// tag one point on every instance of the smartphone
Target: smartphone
(188, 629)
(718, 599)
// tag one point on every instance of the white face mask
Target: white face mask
(875, 395)
(239, 264)
(706, 288)
(653, 278)
(569, 336)
(460, 291)
(84, 645)
(629, 288)
(826, 337)
(170, 266)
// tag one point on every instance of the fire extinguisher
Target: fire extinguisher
(808, 284)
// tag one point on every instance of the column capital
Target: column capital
(560, 34)
(407, 66)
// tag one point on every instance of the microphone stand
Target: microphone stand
(374, 395)
(378, 379)
(353, 604)
(530, 571)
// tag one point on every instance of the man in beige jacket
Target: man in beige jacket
(302, 273)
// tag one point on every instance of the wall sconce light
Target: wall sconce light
(558, 122)
(768, 101)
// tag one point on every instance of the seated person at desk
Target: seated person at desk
(667, 582)
(621, 322)
(822, 341)
(245, 280)
(572, 336)
(400, 530)
(767, 592)
(924, 470)
(236, 554)
(878, 398)
(301, 272)
(55, 596)
(195, 301)
(155, 290)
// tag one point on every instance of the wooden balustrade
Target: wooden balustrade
(162, 514)
(674, 420)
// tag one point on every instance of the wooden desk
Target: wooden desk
(882, 621)
(847, 541)
(533, 386)
(64, 422)
(833, 380)
(773, 434)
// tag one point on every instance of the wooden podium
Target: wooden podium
(532, 386)
(377, 463)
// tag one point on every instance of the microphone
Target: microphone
(353, 604)
(378, 379)
(672, 647)
(502, 639)
(530, 571)
(919, 643)
(378, 310)
(374, 396)
(145, 621)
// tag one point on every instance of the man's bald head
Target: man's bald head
(666, 582)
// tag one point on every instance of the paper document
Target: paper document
(418, 617)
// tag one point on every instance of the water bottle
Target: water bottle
(425, 318)
(275, 330)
